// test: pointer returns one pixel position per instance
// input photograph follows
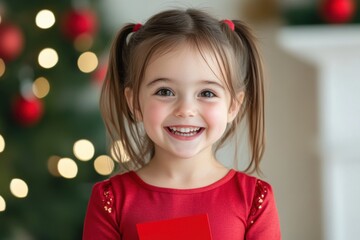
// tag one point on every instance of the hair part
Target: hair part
(235, 52)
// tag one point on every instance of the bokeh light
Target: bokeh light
(84, 150)
(117, 149)
(41, 87)
(19, 188)
(45, 19)
(52, 165)
(2, 204)
(88, 62)
(2, 143)
(2, 67)
(104, 165)
(67, 168)
(48, 58)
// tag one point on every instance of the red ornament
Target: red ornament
(27, 112)
(11, 41)
(337, 11)
(77, 22)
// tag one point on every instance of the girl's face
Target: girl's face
(184, 105)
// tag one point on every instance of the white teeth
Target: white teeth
(184, 130)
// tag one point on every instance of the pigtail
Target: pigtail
(253, 105)
(114, 108)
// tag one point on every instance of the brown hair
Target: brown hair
(235, 52)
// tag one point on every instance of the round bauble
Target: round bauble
(78, 22)
(27, 112)
(337, 11)
(11, 41)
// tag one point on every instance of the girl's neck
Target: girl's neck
(167, 171)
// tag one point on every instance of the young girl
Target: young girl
(177, 88)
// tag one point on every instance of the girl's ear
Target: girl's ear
(129, 95)
(235, 107)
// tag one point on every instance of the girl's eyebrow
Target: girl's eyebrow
(210, 82)
(157, 80)
(203, 82)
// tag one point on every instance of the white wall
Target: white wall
(290, 163)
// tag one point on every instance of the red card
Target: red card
(185, 228)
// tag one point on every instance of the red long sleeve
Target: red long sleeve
(263, 218)
(238, 206)
(100, 221)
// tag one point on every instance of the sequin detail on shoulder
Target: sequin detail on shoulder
(108, 197)
(261, 191)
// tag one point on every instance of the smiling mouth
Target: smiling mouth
(185, 131)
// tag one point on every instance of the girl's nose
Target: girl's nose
(185, 109)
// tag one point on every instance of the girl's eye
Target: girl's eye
(207, 94)
(164, 92)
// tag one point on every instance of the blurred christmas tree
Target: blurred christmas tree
(51, 67)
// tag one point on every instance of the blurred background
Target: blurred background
(53, 57)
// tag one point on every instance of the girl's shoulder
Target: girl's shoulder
(107, 191)
(115, 182)
(259, 196)
(249, 181)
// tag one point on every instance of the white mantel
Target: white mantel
(335, 50)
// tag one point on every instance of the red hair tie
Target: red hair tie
(230, 24)
(137, 27)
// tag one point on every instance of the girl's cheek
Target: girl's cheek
(154, 111)
(216, 114)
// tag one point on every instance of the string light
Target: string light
(45, 19)
(104, 165)
(84, 150)
(2, 204)
(52, 165)
(19, 188)
(48, 58)
(88, 62)
(41, 87)
(67, 168)
(2, 67)
(2, 143)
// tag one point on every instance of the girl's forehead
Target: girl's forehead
(185, 46)
(186, 51)
(184, 57)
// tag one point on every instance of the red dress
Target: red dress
(238, 206)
